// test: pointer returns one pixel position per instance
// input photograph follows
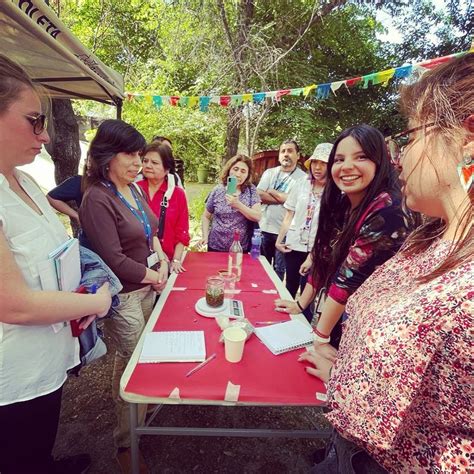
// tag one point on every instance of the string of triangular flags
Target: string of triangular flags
(320, 91)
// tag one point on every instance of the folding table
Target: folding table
(260, 379)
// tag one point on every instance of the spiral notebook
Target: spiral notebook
(173, 346)
(285, 337)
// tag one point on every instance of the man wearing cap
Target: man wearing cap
(273, 189)
(301, 220)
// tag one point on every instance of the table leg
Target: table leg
(134, 437)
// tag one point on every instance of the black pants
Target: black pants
(293, 262)
(27, 434)
(294, 280)
(274, 256)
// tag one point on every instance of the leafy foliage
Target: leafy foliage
(196, 47)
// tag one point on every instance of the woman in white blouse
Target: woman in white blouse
(298, 229)
(36, 344)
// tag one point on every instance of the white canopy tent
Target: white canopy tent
(32, 35)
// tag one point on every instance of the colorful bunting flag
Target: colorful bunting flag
(322, 91)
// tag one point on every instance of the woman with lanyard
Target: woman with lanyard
(167, 200)
(121, 228)
(361, 225)
(301, 220)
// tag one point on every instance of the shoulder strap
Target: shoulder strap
(140, 191)
(164, 205)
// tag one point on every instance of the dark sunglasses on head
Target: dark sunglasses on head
(38, 123)
(396, 143)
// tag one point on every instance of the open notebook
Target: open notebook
(173, 346)
(285, 337)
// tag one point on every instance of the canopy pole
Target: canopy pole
(119, 103)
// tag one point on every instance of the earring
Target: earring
(466, 172)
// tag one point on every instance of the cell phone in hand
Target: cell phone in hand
(231, 185)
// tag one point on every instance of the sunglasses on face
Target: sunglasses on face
(38, 123)
(397, 143)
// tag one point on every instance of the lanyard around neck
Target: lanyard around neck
(279, 184)
(139, 213)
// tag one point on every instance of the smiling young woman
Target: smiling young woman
(361, 225)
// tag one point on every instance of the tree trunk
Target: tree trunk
(64, 146)
(234, 120)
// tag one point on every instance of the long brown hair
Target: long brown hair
(444, 96)
(337, 224)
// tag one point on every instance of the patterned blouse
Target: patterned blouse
(380, 232)
(402, 386)
(226, 219)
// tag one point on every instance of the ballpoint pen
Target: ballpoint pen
(201, 365)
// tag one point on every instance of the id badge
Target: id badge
(152, 260)
(304, 236)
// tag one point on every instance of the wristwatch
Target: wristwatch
(176, 260)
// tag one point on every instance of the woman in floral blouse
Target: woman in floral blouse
(400, 390)
(226, 213)
(361, 225)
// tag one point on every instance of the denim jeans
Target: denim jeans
(345, 457)
(273, 255)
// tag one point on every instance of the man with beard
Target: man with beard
(273, 189)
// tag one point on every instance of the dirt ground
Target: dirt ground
(87, 421)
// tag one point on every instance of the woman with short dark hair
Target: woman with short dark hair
(167, 200)
(121, 228)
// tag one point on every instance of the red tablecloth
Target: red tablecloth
(263, 377)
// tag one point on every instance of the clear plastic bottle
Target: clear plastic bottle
(256, 243)
(235, 256)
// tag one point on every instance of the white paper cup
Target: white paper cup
(234, 340)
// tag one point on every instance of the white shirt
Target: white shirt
(274, 178)
(33, 359)
(300, 196)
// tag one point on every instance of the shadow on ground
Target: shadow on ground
(87, 421)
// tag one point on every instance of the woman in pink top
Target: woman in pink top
(400, 386)
(158, 168)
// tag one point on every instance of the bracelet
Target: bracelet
(299, 306)
(323, 340)
(320, 334)
(176, 260)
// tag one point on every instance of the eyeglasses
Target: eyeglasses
(38, 123)
(396, 143)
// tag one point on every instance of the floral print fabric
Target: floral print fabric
(226, 219)
(402, 386)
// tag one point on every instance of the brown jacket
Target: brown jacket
(116, 235)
